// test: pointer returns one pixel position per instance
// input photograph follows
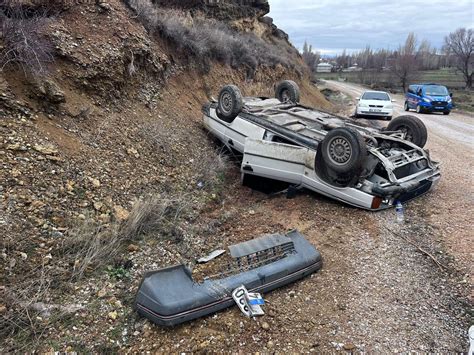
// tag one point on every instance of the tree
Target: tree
(404, 65)
(311, 58)
(460, 44)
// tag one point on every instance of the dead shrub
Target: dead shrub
(211, 170)
(24, 43)
(208, 39)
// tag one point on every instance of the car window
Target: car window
(382, 96)
(279, 139)
(436, 90)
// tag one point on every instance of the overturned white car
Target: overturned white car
(282, 140)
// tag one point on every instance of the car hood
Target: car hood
(438, 98)
(375, 102)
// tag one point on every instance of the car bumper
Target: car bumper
(170, 296)
(428, 106)
(406, 191)
(364, 111)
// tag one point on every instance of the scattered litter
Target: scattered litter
(399, 212)
(471, 340)
(249, 303)
(211, 256)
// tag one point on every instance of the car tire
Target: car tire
(419, 109)
(446, 113)
(230, 103)
(288, 91)
(414, 128)
(406, 107)
(343, 150)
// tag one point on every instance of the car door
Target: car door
(275, 160)
(237, 132)
(412, 97)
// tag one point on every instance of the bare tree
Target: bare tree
(404, 65)
(460, 43)
(310, 57)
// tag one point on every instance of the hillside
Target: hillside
(106, 169)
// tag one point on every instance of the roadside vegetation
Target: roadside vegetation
(204, 40)
(22, 33)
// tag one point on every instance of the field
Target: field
(448, 77)
(453, 80)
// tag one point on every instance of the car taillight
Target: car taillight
(376, 202)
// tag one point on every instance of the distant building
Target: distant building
(353, 68)
(323, 68)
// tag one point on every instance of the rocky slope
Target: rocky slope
(105, 165)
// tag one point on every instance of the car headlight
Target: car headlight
(361, 104)
(450, 100)
(426, 100)
(390, 107)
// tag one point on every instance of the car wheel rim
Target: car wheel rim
(226, 102)
(339, 150)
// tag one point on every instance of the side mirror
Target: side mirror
(451, 94)
(419, 93)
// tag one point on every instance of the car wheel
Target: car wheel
(230, 103)
(343, 150)
(419, 109)
(414, 129)
(446, 113)
(288, 91)
(406, 107)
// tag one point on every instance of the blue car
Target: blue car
(428, 98)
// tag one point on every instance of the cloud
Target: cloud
(330, 25)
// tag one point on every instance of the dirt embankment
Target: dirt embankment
(107, 172)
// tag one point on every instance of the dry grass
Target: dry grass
(205, 39)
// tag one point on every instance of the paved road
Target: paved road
(457, 127)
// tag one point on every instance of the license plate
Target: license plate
(374, 110)
(439, 108)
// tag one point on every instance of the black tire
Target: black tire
(288, 91)
(230, 103)
(414, 128)
(446, 113)
(406, 107)
(343, 150)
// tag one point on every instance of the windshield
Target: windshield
(436, 90)
(382, 96)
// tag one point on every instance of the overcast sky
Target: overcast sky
(332, 25)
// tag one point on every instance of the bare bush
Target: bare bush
(24, 44)
(206, 39)
(211, 169)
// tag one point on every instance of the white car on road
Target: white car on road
(282, 140)
(375, 104)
